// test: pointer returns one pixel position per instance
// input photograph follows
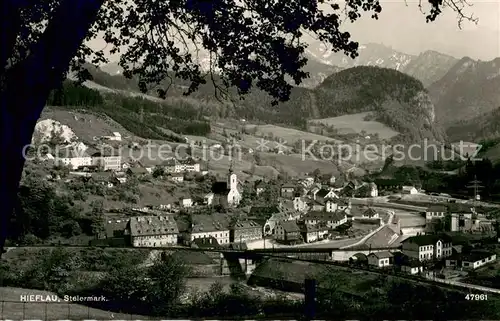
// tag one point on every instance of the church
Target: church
(227, 193)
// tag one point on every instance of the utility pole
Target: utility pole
(475, 185)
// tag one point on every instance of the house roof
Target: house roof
(210, 223)
(407, 188)
(264, 211)
(370, 212)
(382, 255)
(288, 185)
(206, 242)
(307, 228)
(324, 216)
(430, 239)
(70, 152)
(437, 208)
(290, 226)
(152, 225)
(322, 192)
(248, 224)
(138, 170)
(475, 256)
(188, 161)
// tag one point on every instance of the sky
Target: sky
(402, 26)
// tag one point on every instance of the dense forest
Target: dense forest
(484, 126)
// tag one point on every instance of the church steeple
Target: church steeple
(232, 180)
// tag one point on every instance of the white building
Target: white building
(186, 202)
(156, 231)
(409, 190)
(72, 158)
(177, 178)
(179, 166)
(380, 259)
(329, 219)
(115, 137)
(435, 212)
(107, 161)
(208, 199)
(472, 260)
(300, 204)
(372, 190)
(205, 226)
(427, 247)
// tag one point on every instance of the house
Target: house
(380, 259)
(72, 158)
(126, 166)
(107, 161)
(409, 190)
(227, 193)
(287, 190)
(260, 187)
(137, 171)
(372, 190)
(331, 205)
(178, 178)
(325, 194)
(208, 199)
(427, 247)
(156, 231)
(406, 264)
(174, 165)
(327, 179)
(288, 232)
(472, 260)
(115, 226)
(209, 242)
(343, 204)
(313, 233)
(186, 202)
(300, 203)
(215, 225)
(116, 136)
(244, 231)
(437, 211)
(412, 267)
(370, 213)
(329, 219)
(314, 205)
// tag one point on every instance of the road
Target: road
(268, 244)
(366, 237)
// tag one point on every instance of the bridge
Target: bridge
(244, 261)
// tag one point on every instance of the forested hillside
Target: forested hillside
(400, 101)
(142, 117)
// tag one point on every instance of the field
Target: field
(348, 124)
(14, 309)
(289, 135)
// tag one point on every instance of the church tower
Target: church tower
(232, 179)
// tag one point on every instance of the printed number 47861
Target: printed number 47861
(476, 297)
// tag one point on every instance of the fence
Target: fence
(16, 310)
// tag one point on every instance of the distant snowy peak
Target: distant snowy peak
(369, 55)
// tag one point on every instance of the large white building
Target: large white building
(179, 166)
(72, 157)
(107, 161)
(427, 247)
(156, 231)
(206, 226)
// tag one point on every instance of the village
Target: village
(380, 227)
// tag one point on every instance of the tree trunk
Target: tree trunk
(27, 87)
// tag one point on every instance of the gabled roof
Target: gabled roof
(431, 239)
(382, 255)
(153, 225)
(247, 224)
(370, 212)
(437, 208)
(288, 185)
(290, 226)
(475, 256)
